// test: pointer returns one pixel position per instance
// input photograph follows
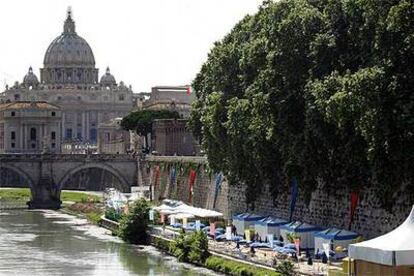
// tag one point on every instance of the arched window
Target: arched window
(32, 133)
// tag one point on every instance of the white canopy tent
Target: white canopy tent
(269, 225)
(395, 248)
(171, 207)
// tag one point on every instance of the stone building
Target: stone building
(70, 80)
(112, 138)
(174, 98)
(172, 137)
(30, 127)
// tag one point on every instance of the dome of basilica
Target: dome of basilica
(69, 49)
(108, 79)
(30, 79)
(69, 59)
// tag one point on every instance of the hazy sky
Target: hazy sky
(144, 42)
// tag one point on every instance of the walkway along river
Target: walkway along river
(52, 243)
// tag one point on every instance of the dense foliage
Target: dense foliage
(141, 121)
(190, 248)
(112, 214)
(134, 225)
(317, 89)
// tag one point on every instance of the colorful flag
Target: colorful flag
(354, 203)
(191, 180)
(189, 90)
(212, 229)
(217, 186)
(293, 197)
(173, 175)
(297, 246)
(156, 175)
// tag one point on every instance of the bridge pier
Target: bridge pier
(45, 195)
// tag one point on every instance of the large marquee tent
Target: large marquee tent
(269, 225)
(390, 254)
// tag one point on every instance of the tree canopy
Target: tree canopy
(317, 89)
(141, 121)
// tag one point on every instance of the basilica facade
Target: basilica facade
(70, 82)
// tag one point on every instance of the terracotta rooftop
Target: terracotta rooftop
(28, 105)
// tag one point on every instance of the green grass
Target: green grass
(15, 194)
(78, 197)
(230, 267)
(23, 194)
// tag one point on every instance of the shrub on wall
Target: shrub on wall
(190, 248)
(133, 226)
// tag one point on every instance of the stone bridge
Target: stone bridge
(46, 174)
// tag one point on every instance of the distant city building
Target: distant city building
(173, 98)
(70, 81)
(112, 139)
(172, 137)
(30, 127)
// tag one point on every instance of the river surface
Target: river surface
(52, 243)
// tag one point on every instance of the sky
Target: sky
(144, 42)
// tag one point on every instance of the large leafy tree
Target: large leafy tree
(141, 121)
(316, 89)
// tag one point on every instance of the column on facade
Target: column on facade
(87, 125)
(83, 125)
(75, 125)
(63, 133)
(21, 137)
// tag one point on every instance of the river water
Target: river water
(52, 243)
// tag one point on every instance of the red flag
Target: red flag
(188, 89)
(156, 176)
(354, 203)
(191, 180)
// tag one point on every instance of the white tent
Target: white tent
(338, 237)
(244, 221)
(269, 225)
(197, 212)
(394, 249)
(174, 207)
(304, 230)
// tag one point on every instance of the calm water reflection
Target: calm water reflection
(50, 243)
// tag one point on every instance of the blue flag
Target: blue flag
(293, 197)
(173, 176)
(218, 179)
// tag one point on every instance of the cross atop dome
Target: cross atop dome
(69, 26)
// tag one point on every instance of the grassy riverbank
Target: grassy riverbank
(228, 266)
(76, 203)
(23, 194)
(91, 211)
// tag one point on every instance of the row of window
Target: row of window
(92, 134)
(13, 114)
(32, 135)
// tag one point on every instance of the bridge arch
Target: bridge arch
(101, 166)
(19, 172)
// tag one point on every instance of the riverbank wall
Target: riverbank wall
(322, 208)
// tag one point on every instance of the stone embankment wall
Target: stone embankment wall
(323, 209)
(328, 210)
(203, 188)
